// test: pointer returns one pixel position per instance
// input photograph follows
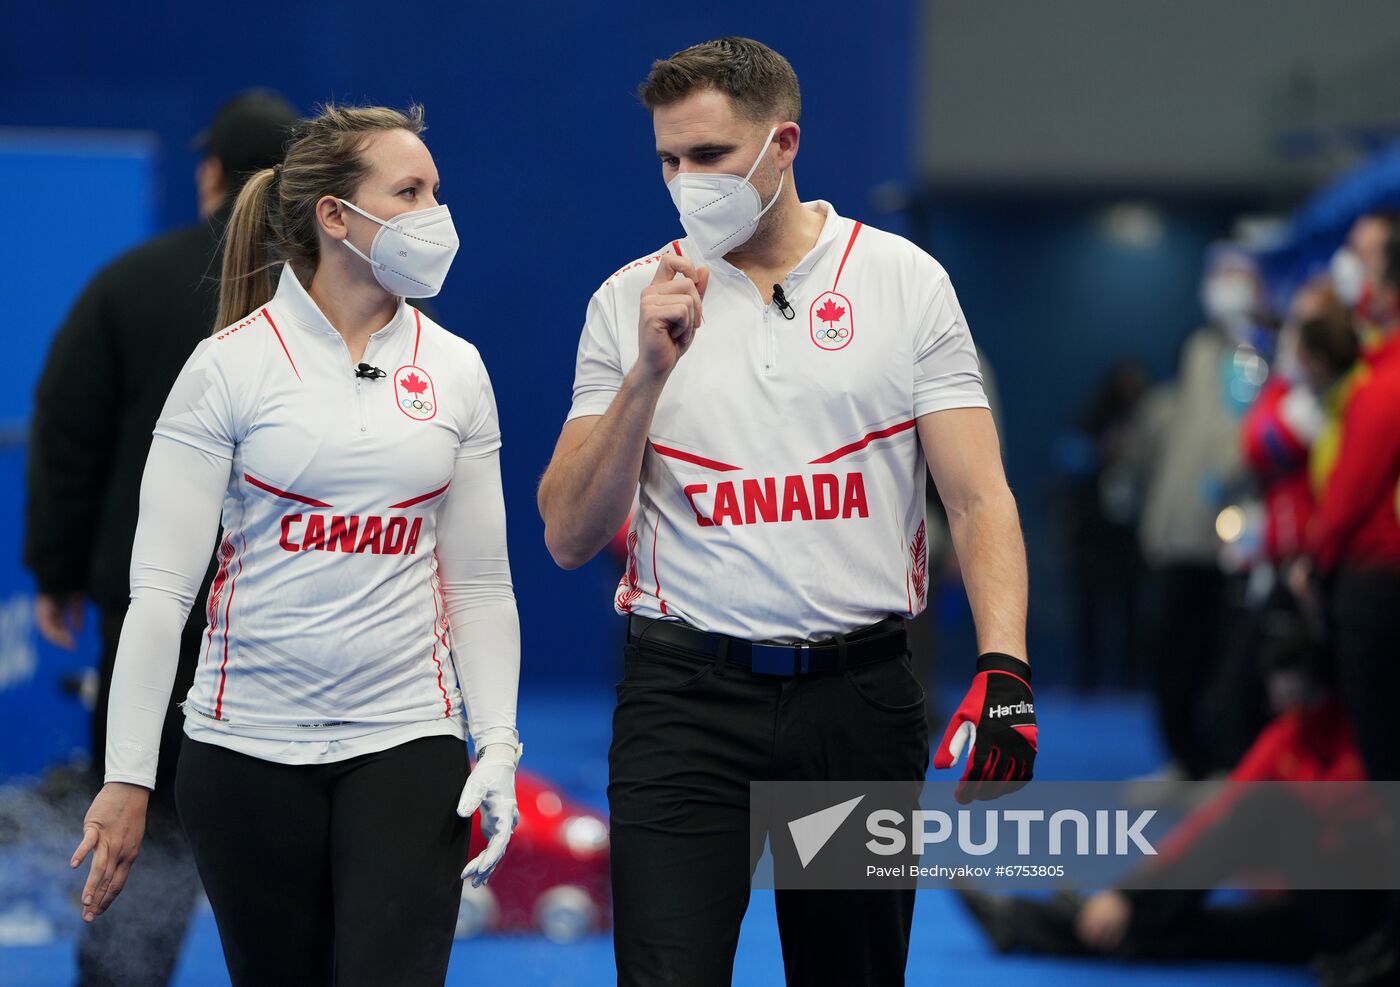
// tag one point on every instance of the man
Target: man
(775, 408)
(108, 373)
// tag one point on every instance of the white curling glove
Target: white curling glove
(491, 788)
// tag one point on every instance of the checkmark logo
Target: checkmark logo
(812, 832)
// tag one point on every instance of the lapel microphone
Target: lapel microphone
(369, 373)
(780, 300)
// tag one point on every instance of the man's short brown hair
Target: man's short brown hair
(761, 83)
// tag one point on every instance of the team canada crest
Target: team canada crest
(832, 326)
(414, 393)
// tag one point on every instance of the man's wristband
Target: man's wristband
(995, 661)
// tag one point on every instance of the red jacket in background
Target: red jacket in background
(1302, 745)
(1357, 522)
(1275, 448)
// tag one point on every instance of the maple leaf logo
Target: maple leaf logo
(830, 312)
(413, 385)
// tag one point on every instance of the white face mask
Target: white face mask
(1348, 276)
(1228, 298)
(720, 212)
(411, 253)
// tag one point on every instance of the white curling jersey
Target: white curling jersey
(782, 489)
(326, 613)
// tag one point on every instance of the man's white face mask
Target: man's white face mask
(720, 212)
(1348, 276)
(411, 253)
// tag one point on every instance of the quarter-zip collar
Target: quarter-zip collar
(295, 301)
(830, 232)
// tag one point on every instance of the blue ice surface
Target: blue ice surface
(566, 740)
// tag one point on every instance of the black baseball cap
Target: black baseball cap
(249, 133)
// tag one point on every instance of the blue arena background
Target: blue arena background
(547, 165)
(545, 155)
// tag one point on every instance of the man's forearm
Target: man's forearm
(992, 555)
(585, 495)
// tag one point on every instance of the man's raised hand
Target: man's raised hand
(671, 311)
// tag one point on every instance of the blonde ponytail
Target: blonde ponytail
(246, 284)
(274, 218)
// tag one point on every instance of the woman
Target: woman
(363, 601)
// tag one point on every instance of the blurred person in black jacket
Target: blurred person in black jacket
(107, 376)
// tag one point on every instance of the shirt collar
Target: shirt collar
(831, 230)
(294, 300)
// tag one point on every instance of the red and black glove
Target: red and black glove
(997, 719)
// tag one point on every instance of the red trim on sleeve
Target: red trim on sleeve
(420, 498)
(283, 342)
(284, 494)
(849, 244)
(690, 457)
(846, 450)
(418, 321)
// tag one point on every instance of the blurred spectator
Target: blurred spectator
(1329, 361)
(1354, 542)
(1359, 266)
(1310, 741)
(108, 373)
(1279, 429)
(1101, 505)
(1189, 443)
(1276, 435)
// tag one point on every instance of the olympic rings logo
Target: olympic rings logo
(831, 322)
(417, 404)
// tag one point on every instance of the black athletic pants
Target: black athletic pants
(689, 734)
(344, 873)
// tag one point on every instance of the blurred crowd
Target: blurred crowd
(1235, 539)
(1245, 514)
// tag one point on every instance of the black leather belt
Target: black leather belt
(878, 642)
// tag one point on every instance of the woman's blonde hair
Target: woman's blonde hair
(274, 217)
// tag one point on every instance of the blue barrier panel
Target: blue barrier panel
(98, 198)
(41, 719)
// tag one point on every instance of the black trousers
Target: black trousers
(689, 734)
(137, 942)
(344, 873)
(1188, 642)
(1365, 626)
